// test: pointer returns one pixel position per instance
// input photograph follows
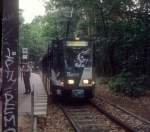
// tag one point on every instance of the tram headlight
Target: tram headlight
(93, 82)
(86, 81)
(71, 82)
(62, 83)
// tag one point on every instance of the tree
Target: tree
(32, 37)
(119, 28)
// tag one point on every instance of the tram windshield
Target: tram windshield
(78, 54)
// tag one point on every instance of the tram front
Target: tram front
(78, 70)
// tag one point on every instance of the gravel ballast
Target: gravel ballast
(55, 121)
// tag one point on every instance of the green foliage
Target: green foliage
(102, 80)
(31, 37)
(128, 84)
(120, 29)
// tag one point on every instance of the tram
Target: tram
(68, 69)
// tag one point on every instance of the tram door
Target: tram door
(57, 64)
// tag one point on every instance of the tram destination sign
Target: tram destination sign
(77, 43)
(10, 28)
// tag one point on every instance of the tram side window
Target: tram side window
(57, 57)
(50, 59)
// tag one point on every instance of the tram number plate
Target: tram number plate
(78, 93)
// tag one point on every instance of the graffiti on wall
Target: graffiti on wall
(10, 66)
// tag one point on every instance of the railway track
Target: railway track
(121, 116)
(96, 116)
(87, 118)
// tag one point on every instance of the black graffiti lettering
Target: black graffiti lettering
(7, 120)
(8, 98)
(8, 52)
(9, 60)
(10, 63)
(8, 111)
(10, 130)
(10, 75)
(7, 89)
(9, 106)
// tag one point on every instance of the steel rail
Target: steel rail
(112, 118)
(115, 119)
(74, 125)
(126, 111)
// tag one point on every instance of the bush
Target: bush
(128, 84)
(103, 80)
